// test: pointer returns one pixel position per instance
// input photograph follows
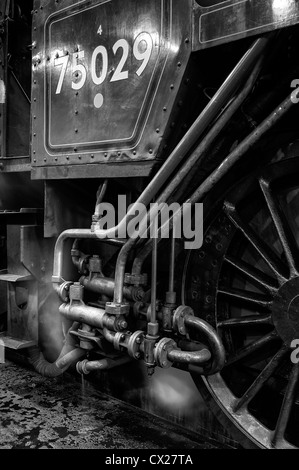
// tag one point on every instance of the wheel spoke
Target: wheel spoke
(282, 227)
(259, 278)
(286, 407)
(253, 347)
(262, 378)
(253, 298)
(250, 320)
(265, 252)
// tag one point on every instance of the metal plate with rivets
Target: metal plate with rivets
(105, 78)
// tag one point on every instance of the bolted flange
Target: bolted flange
(179, 318)
(161, 351)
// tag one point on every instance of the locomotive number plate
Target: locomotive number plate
(99, 73)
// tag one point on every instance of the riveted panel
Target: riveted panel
(219, 22)
(105, 78)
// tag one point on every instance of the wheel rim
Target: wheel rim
(245, 282)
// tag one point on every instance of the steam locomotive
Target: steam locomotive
(109, 106)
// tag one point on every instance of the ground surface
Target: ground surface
(63, 413)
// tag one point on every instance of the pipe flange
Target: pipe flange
(81, 367)
(161, 352)
(136, 279)
(179, 318)
(134, 343)
(64, 291)
(117, 340)
(112, 308)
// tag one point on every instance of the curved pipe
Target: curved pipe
(189, 357)
(205, 118)
(210, 335)
(48, 369)
(68, 355)
(184, 173)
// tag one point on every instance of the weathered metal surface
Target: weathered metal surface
(13, 343)
(105, 78)
(220, 22)
(3, 76)
(41, 413)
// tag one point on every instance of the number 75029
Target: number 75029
(142, 50)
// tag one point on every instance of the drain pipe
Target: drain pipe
(69, 355)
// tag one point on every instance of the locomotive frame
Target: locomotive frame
(97, 103)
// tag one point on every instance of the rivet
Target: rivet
(34, 159)
(76, 112)
(56, 159)
(119, 154)
(75, 149)
(187, 40)
(34, 99)
(105, 155)
(92, 155)
(164, 109)
(134, 152)
(34, 151)
(34, 135)
(150, 151)
(179, 64)
(157, 130)
(67, 157)
(171, 86)
(34, 81)
(34, 117)
(79, 156)
(76, 130)
(45, 159)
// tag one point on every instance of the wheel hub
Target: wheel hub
(286, 311)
